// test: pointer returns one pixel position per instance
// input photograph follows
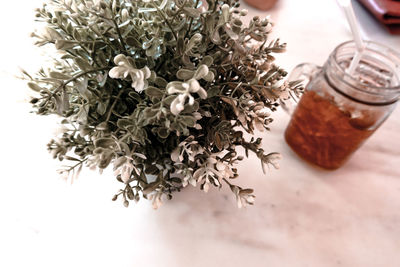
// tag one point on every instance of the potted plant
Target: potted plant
(163, 91)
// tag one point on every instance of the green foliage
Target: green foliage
(160, 89)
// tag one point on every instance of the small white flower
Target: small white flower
(263, 112)
(176, 155)
(123, 166)
(208, 174)
(244, 197)
(273, 159)
(281, 89)
(187, 177)
(190, 147)
(184, 89)
(124, 14)
(124, 69)
(156, 199)
(225, 170)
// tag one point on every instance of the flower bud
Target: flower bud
(124, 14)
(225, 12)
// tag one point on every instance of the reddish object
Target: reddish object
(386, 11)
(262, 4)
(327, 142)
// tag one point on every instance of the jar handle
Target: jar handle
(304, 73)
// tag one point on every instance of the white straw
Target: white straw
(351, 19)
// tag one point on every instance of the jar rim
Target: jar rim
(350, 80)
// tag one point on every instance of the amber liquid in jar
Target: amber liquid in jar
(323, 134)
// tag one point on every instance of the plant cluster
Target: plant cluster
(162, 90)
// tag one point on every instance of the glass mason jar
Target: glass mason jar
(339, 111)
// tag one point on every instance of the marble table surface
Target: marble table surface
(303, 216)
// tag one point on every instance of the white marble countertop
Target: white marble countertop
(303, 216)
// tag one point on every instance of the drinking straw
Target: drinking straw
(351, 19)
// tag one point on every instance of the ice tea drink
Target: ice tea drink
(340, 110)
(323, 134)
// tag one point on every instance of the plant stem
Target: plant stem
(166, 20)
(121, 40)
(80, 43)
(62, 86)
(76, 165)
(179, 10)
(113, 105)
(82, 74)
(226, 181)
(103, 38)
(191, 20)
